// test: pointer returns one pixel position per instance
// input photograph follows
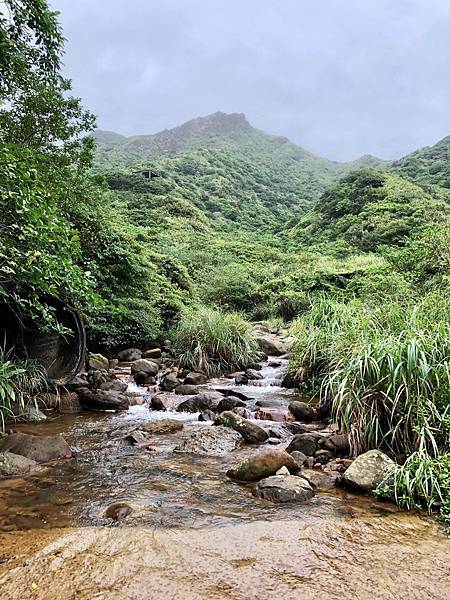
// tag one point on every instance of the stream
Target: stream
(194, 533)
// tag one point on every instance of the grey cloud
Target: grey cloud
(339, 77)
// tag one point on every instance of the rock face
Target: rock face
(15, 464)
(170, 382)
(99, 362)
(284, 488)
(39, 448)
(368, 470)
(252, 433)
(303, 442)
(195, 378)
(129, 355)
(272, 345)
(214, 441)
(302, 411)
(144, 365)
(263, 464)
(162, 427)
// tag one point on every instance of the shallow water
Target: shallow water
(188, 505)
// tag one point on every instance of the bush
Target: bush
(214, 341)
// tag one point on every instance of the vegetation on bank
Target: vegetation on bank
(213, 341)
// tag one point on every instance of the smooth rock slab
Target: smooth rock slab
(284, 488)
(214, 441)
(162, 427)
(368, 470)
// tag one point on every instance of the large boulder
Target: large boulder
(162, 427)
(152, 353)
(98, 362)
(15, 464)
(229, 403)
(195, 404)
(129, 354)
(115, 384)
(368, 470)
(39, 448)
(170, 382)
(302, 411)
(143, 365)
(261, 465)
(284, 488)
(195, 378)
(103, 399)
(303, 442)
(252, 433)
(215, 441)
(272, 345)
(187, 390)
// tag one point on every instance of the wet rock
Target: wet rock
(162, 427)
(303, 442)
(283, 471)
(187, 390)
(302, 411)
(241, 379)
(289, 380)
(129, 355)
(135, 399)
(195, 378)
(32, 414)
(157, 402)
(282, 488)
(38, 448)
(102, 399)
(296, 428)
(116, 385)
(212, 396)
(274, 364)
(77, 382)
(142, 378)
(278, 415)
(322, 457)
(69, 403)
(228, 392)
(113, 363)
(195, 404)
(338, 443)
(256, 366)
(368, 470)
(273, 441)
(299, 457)
(207, 415)
(243, 412)
(99, 362)
(137, 438)
(252, 433)
(253, 374)
(170, 382)
(272, 345)
(229, 403)
(214, 441)
(117, 511)
(270, 403)
(152, 353)
(261, 465)
(15, 464)
(143, 365)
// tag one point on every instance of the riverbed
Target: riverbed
(190, 532)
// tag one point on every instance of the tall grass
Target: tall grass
(384, 370)
(20, 382)
(214, 341)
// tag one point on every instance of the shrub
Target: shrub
(214, 341)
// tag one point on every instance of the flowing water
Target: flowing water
(190, 532)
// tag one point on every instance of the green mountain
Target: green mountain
(429, 166)
(223, 166)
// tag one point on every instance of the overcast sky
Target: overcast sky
(341, 78)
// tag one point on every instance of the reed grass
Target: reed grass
(214, 341)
